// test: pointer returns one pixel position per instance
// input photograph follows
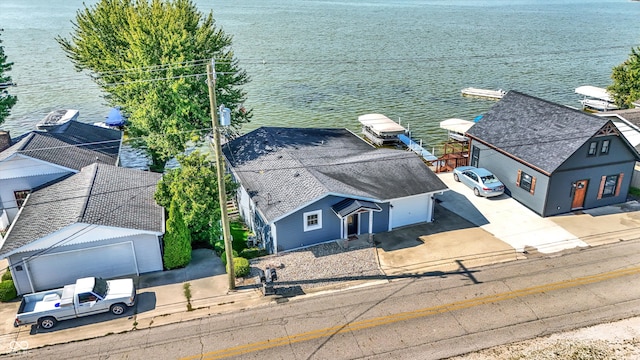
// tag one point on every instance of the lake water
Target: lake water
(324, 63)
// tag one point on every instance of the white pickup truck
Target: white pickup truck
(87, 296)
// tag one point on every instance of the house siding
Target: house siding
(560, 196)
(20, 173)
(506, 169)
(291, 234)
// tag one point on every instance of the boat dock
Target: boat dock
(417, 148)
(382, 131)
(484, 93)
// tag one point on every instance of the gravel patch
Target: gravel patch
(321, 266)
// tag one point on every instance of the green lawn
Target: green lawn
(239, 235)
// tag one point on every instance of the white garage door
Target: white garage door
(55, 270)
(410, 210)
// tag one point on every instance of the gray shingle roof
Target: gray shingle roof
(284, 169)
(99, 194)
(539, 132)
(76, 147)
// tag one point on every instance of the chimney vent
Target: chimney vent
(5, 140)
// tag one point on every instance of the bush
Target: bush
(218, 246)
(8, 291)
(223, 256)
(177, 240)
(252, 253)
(6, 276)
(240, 267)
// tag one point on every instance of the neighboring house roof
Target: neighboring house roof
(284, 169)
(77, 146)
(99, 194)
(538, 132)
(631, 115)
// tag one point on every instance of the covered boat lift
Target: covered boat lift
(596, 98)
(456, 128)
(381, 130)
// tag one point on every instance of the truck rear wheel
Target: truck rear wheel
(47, 322)
(118, 309)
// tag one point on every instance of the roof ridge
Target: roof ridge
(89, 189)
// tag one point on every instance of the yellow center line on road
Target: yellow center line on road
(403, 316)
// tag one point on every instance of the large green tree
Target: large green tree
(150, 57)
(626, 80)
(6, 100)
(194, 187)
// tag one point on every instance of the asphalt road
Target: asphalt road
(431, 316)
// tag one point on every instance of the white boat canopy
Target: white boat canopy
(594, 92)
(456, 125)
(380, 124)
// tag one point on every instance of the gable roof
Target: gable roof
(77, 146)
(100, 194)
(284, 169)
(540, 133)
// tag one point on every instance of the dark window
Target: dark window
(610, 184)
(475, 156)
(312, 220)
(593, 148)
(604, 149)
(21, 196)
(525, 181)
(86, 297)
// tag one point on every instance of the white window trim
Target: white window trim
(305, 218)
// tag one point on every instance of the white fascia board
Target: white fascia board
(437, 192)
(79, 233)
(322, 197)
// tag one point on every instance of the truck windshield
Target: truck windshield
(100, 287)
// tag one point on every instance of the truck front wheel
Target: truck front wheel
(47, 322)
(118, 309)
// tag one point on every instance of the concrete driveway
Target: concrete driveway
(507, 220)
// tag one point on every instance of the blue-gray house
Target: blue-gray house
(304, 186)
(552, 158)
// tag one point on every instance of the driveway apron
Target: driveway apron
(507, 219)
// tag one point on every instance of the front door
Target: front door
(352, 225)
(579, 192)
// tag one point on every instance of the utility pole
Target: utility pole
(228, 248)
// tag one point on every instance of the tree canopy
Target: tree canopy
(626, 80)
(194, 188)
(150, 57)
(6, 100)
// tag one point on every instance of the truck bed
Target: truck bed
(43, 302)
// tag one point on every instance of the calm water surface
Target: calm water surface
(323, 63)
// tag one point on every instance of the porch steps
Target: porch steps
(232, 209)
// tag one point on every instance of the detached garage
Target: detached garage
(100, 222)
